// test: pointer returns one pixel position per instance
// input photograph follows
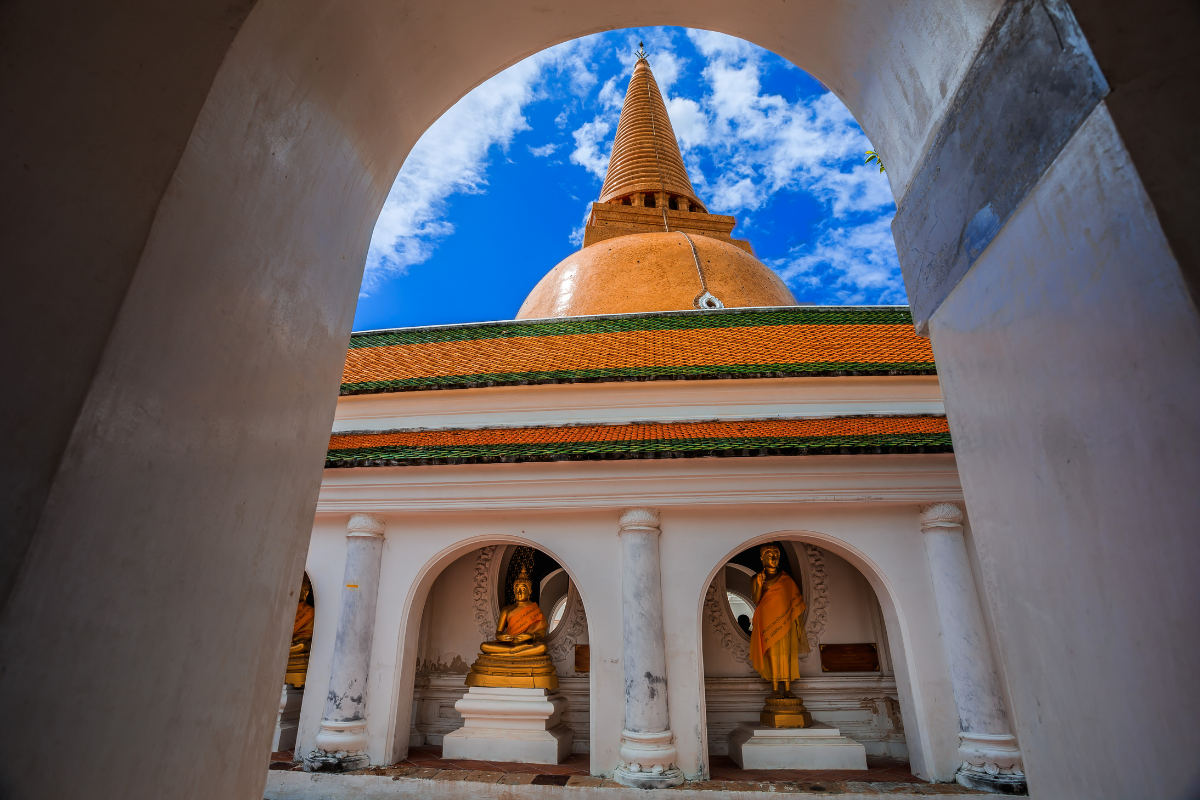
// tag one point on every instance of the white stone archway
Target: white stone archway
(416, 551)
(913, 706)
(881, 544)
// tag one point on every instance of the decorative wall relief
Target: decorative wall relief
(729, 633)
(563, 639)
(818, 599)
(481, 595)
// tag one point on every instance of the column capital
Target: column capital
(941, 515)
(639, 519)
(365, 525)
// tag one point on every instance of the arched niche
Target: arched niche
(472, 577)
(875, 707)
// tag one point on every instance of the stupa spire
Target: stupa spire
(645, 155)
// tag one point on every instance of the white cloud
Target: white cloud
(689, 121)
(544, 150)
(452, 156)
(590, 152)
(857, 263)
(576, 237)
(611, 95)
(766, 144)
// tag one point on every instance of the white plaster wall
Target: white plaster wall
(850, 605)
(631, 401)
(1074, 347)
(451, 616)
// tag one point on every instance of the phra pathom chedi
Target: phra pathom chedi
(535, 537)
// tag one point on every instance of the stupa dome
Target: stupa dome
(649, 243)
(645, 272)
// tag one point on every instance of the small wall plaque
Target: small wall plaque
(849, 658)
(583, 658)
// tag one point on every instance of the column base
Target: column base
(648, 761)
(341, 747)
(1000, 783)
(320, 761)
(818, 746)
(510, 724)
(991, 763)
(666, 779)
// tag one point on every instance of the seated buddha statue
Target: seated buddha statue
(517, 657)
(302, 633)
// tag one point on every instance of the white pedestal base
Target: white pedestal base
(522, 725)
(288, 720)
(817, 747)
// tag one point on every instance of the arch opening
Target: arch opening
(466, 592)
(846, 675)
(746, 164)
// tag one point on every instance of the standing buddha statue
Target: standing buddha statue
(517, 658)
(777, 639)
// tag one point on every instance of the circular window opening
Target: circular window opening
(742, 609)
(556, 614)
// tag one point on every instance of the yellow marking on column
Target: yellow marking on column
(351, 585)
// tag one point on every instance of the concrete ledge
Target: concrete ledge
(315, 786)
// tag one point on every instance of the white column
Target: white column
(648, 751)
(341, 743)
(991, 758)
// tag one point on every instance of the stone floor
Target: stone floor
(426, 762)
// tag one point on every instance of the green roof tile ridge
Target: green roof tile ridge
(661, 371)
(688, 320)
(348, 457)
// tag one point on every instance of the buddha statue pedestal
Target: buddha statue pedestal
(513, 672)
(816, 746)
(511, 724)
(512, 710)
(785, 712)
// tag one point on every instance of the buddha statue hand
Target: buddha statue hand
(520, 645)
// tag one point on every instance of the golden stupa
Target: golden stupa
(650, 244)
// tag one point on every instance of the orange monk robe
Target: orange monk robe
(303, 627)
(778, 638)
(302, 632)
(524, 620)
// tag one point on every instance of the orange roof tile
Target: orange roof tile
(730, 343)
(643, 440)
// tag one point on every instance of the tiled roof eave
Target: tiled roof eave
(844, 450)
(704, 373)
(726, 344)
(729, 438)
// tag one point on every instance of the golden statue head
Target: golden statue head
(770, 555)
(523, 580)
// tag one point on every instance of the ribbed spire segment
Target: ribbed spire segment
(645, 155)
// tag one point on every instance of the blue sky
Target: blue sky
(495, 193)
